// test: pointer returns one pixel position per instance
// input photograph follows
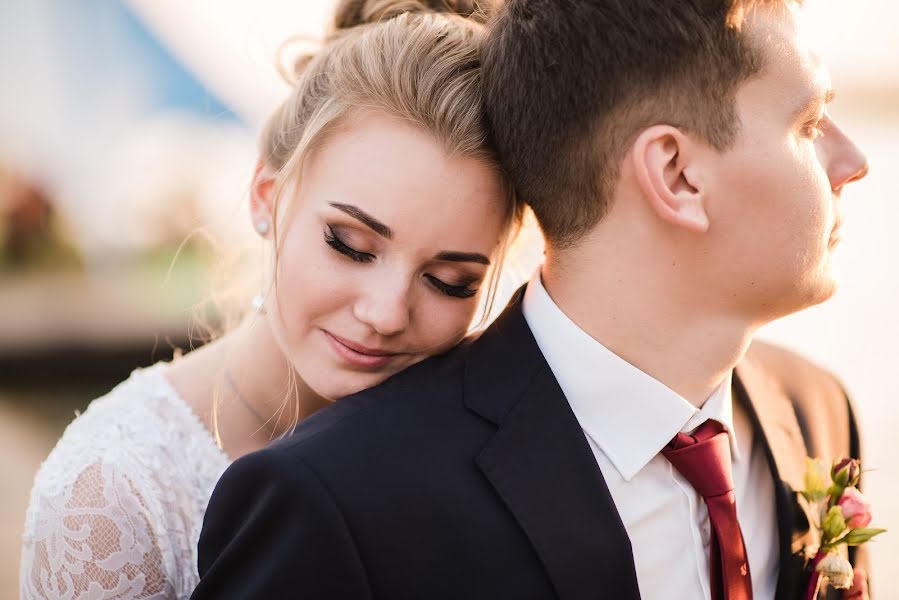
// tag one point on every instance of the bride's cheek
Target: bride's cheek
(452, 324)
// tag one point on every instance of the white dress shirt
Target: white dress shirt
(627, 418)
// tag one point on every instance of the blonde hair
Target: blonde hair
(418, 61)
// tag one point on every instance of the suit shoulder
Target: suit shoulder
(823, 410)
(252, 518)
(796, 375)
(406, 397)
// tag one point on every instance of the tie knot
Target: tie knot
(703, 459)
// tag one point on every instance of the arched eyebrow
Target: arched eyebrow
(474, 257)
(366, 219)
(824, 97)
(385, 232)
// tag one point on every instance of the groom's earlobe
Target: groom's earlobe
(664, 173)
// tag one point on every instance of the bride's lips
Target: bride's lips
(358, 355)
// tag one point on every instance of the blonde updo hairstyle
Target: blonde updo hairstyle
(418, 61)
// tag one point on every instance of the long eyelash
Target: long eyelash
(333, 240)
(456, 291)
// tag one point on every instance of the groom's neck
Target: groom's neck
(650, 315)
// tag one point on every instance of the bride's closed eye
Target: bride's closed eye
(456, 291)
(333, 239)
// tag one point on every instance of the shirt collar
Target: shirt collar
(720, 407)
(629, 415)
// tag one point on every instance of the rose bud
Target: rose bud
(837, 569)
(846, 472)
(856, 508)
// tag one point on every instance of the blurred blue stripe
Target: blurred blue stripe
(105, 45)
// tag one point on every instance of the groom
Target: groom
(614, 434)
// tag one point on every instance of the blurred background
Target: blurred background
(127, 142)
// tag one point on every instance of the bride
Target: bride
(386, 215)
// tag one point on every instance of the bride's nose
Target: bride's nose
(385, 306)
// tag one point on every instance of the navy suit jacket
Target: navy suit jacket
(467, 476)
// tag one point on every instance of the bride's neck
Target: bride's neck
(243, 388)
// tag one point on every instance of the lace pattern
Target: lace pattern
(117, 507)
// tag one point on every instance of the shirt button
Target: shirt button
(706, 534)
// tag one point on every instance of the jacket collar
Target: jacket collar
(774, 420)
(540, 464)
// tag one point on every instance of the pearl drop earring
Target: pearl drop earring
(258, 303)
(262, 228)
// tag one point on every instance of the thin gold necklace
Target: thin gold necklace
(243, 401)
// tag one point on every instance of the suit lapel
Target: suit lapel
(540, 464)
(774, 420)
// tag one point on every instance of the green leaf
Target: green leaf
(860, 536)
(834, 524)
(834, 492)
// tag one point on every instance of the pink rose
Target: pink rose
(856, 508)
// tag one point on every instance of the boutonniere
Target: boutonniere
(843, 515)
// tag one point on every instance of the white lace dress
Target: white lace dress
(117, 507)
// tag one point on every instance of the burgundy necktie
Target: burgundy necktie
(704, 460)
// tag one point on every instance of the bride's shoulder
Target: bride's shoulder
(139, 433)
(127, 483)
(137, 415)
(110, 435)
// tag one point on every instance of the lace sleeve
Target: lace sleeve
(90, 534)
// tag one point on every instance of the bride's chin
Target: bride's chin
(334, 381)
(342, 383)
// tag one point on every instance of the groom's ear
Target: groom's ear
(666, 171)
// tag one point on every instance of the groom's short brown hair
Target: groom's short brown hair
(570, 83)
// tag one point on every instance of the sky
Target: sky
(230, 44)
